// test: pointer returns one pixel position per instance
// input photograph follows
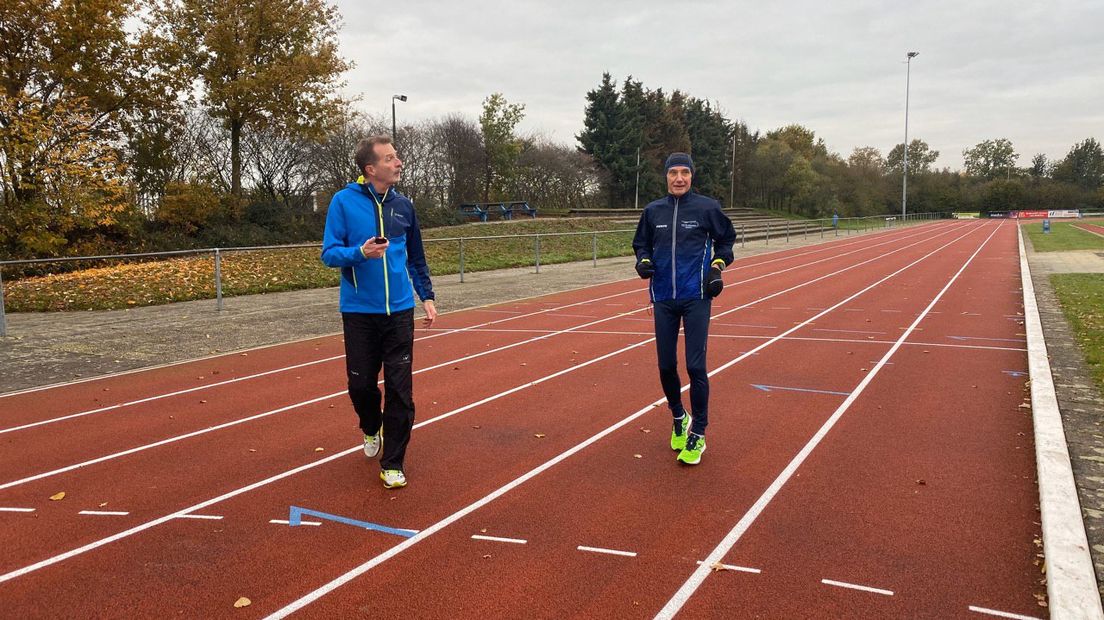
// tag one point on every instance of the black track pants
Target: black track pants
(373, 341)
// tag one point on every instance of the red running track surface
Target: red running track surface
(867, 457)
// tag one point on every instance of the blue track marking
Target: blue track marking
(295, 517)
(768, 388)
(1015, 373)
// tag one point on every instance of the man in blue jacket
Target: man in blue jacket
(682, 244)
(372, 234)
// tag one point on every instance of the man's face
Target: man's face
(678, 180)
(388, 167)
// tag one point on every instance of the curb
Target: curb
(1071, 580)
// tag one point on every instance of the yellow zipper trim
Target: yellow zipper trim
(381, 232)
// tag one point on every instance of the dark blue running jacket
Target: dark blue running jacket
(682, 237)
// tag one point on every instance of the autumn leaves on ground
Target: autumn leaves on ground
(133, 284)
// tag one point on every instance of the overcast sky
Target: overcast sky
(1032, 72)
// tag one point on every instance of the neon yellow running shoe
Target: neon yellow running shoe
(393, 478)
(691, 454)
(372, 444)
(678, 435)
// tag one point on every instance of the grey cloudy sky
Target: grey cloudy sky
(1032, 72)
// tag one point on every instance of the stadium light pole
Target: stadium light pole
(904, 169)
(394, 134)
(636, 200)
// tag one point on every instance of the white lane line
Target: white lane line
(516, 541)
(742, 569)
(208, 517)
(698, 576)
(285, 369)
(627, 554)
(1071, 578)
(286, 522)
(489, 498)
(1002, 614)
(10, 509)
(441, 365)
(163, 442)
(741, 263)
(104, 513)
(855, 586)
(166, 395)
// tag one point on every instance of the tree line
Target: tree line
(629, 130)
(131, 125)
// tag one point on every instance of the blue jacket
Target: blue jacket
(682, 237)
(379, 285)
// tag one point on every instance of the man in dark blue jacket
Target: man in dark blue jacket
(372, 234)
(682, 243)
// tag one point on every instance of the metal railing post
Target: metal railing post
(768, 233)
(595, 248)
(3, 319)
(461, 260)
(787, 231)
(218, 280)
(743, 236)
(538, 253)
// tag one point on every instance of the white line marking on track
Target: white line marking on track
(739, 264)
(321, 591)
(1000, 614)
(742, 569)
(627, 554)
(516, 541)
(7, 509)
(698, 576)
(286, 522)
(855, 586)
(208, 517)
(166, 395)
(443, 364)
(104, 513)
(487, 499)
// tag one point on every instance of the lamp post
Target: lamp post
(904, 170)
(732, 174)
(636, 201)
(394, 135)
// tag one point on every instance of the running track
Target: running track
(868, 457)
(1090, 226)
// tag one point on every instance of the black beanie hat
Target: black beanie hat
(679, 159)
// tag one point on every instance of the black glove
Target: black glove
(645, 268)
(714, 283)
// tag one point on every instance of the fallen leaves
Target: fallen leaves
(57, 497)
(242, 602)
(539, 435)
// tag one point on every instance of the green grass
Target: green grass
(1061, 238)
(119, 285)
(1082, 299)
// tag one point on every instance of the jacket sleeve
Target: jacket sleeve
(416, 264)
(642, 241)
(335, 249)
(724, 236)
